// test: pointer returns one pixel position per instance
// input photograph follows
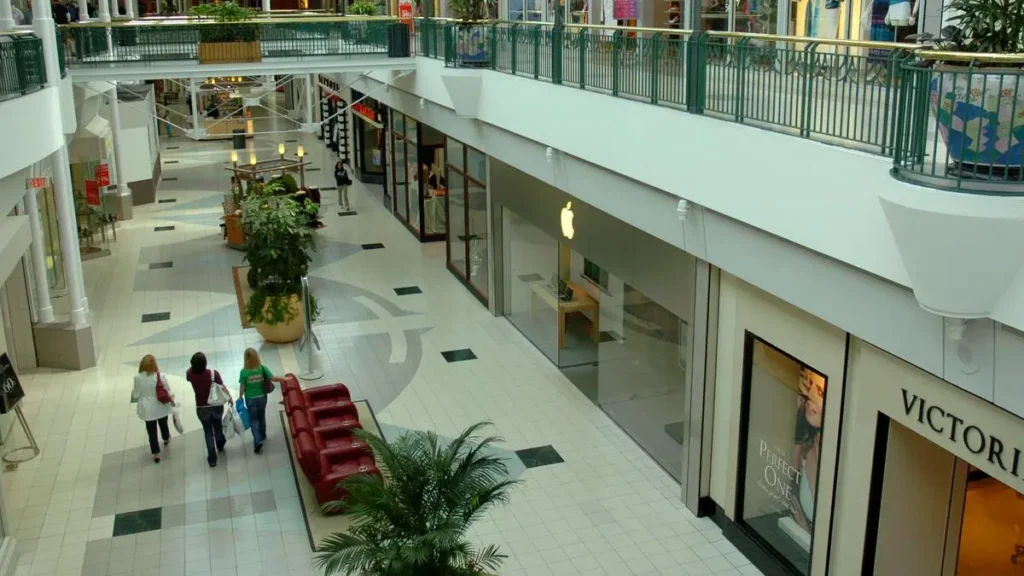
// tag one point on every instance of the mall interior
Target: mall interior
(738, 284)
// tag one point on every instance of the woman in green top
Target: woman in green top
(251, 387)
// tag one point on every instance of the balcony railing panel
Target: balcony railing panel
(22, 68)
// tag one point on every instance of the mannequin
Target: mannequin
(902, 16)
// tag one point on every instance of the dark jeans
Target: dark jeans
(154, 443)
(213, 429)
(257, 408)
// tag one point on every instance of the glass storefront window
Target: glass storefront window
(783, 406)
(454, 156)
(467, 213)
(477, 237)
(476, 165)
(415, 177)
(401, 178)
(531, 282)
(457, 222)
(991, 543)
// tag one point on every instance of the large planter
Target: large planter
(220, 52)
(234, 230)
(980, 115)
(286, 331)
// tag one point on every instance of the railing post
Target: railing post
(696, 73)
(655, 52)
(536, 51)
(740, 54)
(583, 57)
(492, 44)
(807, 89)
(616, 61)
(514, 39)
(557, 37)
(19, 65)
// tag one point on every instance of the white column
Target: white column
(43, 306)
(67, 225)
(115, 10)
(266, 6)
(104, 10)
(193, 89)
(309, 98)
(6, 15)
(129, 8)
(83, 10)
(115, 127)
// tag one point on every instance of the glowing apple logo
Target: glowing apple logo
(567, 216)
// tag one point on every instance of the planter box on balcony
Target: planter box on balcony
(219, 52)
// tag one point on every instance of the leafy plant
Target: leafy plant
(414, 520)
(993, 26)
(227, 16)
(364, 8)
(470, 10)
(278, 243)
(287, 183)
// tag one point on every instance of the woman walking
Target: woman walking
(254, 383)
(155, 402)
(211, 395)
(343, 181)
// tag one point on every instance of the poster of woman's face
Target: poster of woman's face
(785, 409)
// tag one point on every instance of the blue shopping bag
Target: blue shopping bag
(243, 413)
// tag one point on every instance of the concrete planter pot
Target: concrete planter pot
(286, 331)
(221, 52)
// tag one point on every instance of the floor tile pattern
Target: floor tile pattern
(539, 456)
(408, 290)
(460, 355)
(606, 509)
(156, 317)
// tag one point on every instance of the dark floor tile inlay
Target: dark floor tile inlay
(166, 200)
(171, 179)
(322, 188)
(290, 141)
(530, 278)
(373, 246)
(312, 169)
(135, 522)
(159, 265)
(459, 355)
(171, 161)
(539, 456)
(173, 147)
(163, 228)
(156, 317)
(349, 213)
(407, 290)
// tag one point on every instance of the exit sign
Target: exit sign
(36, 183)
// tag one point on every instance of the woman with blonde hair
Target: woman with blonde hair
(155, 402)
(254, 385)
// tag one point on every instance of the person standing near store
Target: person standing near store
(254, 381)
(343, 181)
(211, 395)
(154, 402)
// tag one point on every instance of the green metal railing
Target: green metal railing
(841, 92)
(960, 123)
(180, 39)
(60, 55)
(22, 68)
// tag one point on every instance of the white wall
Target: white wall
(32, 129)
(136, 131)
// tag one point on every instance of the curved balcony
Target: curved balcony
(22, 67)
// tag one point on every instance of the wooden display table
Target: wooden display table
(581, 302)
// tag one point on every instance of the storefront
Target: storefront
(613, 307)
(369, 119)
(418, 183)
(466, 176)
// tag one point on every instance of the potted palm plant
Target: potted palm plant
(224, 35)
(470, 37)
(278, 243)
(414, 520)
(979, 105)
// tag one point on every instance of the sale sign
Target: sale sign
(625, 9)
(102, 174)
(405, 12)
(92, 193)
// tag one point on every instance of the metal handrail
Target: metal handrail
(179, 21)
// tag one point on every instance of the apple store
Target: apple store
(613, 307)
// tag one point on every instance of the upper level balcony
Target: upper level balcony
(951, 130)
(173, 47)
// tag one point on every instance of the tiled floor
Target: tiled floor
(591, 501)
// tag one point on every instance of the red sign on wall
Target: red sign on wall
(36, 183)
(405, 12)
(366, 113)
(92, 193)
(625, 9)
(103, 175)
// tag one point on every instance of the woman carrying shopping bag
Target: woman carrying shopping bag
(155, 402)
(255, 382)
(211, 396)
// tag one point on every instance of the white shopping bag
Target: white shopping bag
(177, 422)
(237, 423)
(225, 422)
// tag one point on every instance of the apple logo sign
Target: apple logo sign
(567, 216)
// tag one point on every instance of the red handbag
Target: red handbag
(161, 392)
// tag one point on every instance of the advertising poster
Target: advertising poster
(92, 193)
(786, 410)
(12, 390)
(626, 9)
(103, 175)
